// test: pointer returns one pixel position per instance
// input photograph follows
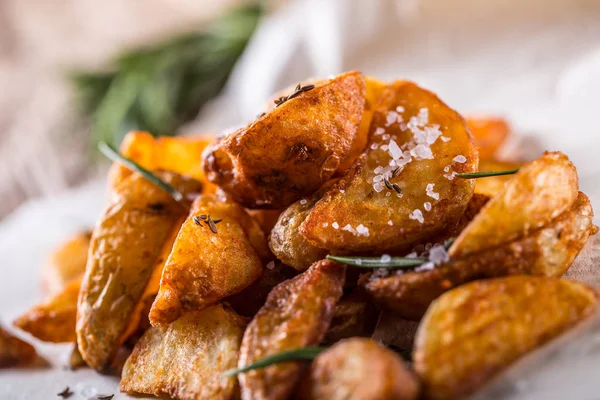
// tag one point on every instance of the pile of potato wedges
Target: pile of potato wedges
(175, 294)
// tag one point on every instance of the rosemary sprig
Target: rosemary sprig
(115, 156)
(304, 353)
(376, 262)
(475, 175)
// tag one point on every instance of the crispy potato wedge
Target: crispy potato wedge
(266, 219)
(54, 319)
(76, 361)
(358, 369)
(549, 251)
(362, 214)
(291, 151)
(180, 154)
(186, 361)
(250, 300)
(67, 262)
(205, 267)
(492, 185)
(354, 315)
(15, 352)
(489, 133)
(297, 313)
(475, 331)
(539, 192)
(125, 246)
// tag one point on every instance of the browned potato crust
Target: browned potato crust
(205, 267)
(297, 313)
(358, 369)
(489, 133)
(67, 262)
(266, 219)
(15, 352)
(125, 246)
(549, 251)
(539, 192)
(354, 315)
(250, 300)
(180, 154)
(186, 361)
(492, 185)
(475, 331)
(291, 151)
(361, 214)
(54, 319)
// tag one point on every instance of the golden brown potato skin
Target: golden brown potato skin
(489, 134)
(539, 192)
(492, 185)
(205, 267)
(355, 201)
(354, 315)
(297, 313)
(515, 314)
(187, 360)
(54, 319)
(67, 262)
(15, 352)
(125, 246)
(266, 219)
(358, 369)
(549, 251)
(291, 151)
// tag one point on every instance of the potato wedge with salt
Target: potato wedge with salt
(292, 150)
(489, 133)
(492, 185)
(473, 332)
(187, 359)
(404, 189)
(358, 369)
(539, 192)
(210, 260)
(297, 314)
(126, 243)
(15, 352)
(549, 251)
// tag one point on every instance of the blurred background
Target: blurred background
(73, 72)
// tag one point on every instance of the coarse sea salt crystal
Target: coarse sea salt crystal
(378, 170)
(400, 109)
(417, 215)
(450, 176)
(386, 136)
(427, 206)
(445, 139)
(303, 201)
(412, 255)
(394, 150)
(423, 116)
(446, 168)
(362, 230)
(270, 265)
(460, 159)
(384, 147)
(438, 254)
(385, 258)
(325, 224)
(429, 191)
(335, 225)
(379, 131)
(390, 223)
(425, 267)
(421, 152)
(349, 228)
(391, 117)
(374, 146)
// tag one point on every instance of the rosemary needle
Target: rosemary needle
(475, 175)
(304, 353)
(378, 262)
(114, 155)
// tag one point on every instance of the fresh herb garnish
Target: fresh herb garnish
(449, 242)
(378, 262)
(212, 223)
(475, 175)
(115, 156)
(197, 220)
(105, 396)
(297, 91)
(66, 393)
(392, 186)
(304, 353)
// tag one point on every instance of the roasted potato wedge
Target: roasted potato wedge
(208, 264)
(549, 251)
(358, 369)
(475, 331)
(67, 262)
(539, 192)
(54, 319)
(180, 154)
(125, 246)
(489, 134)
(291, 151)
(266, 219)
(15, 352)
(250, 300)
(492, 185)
(187, 360)
(417, 144)
(297, 313)
(354, 315)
